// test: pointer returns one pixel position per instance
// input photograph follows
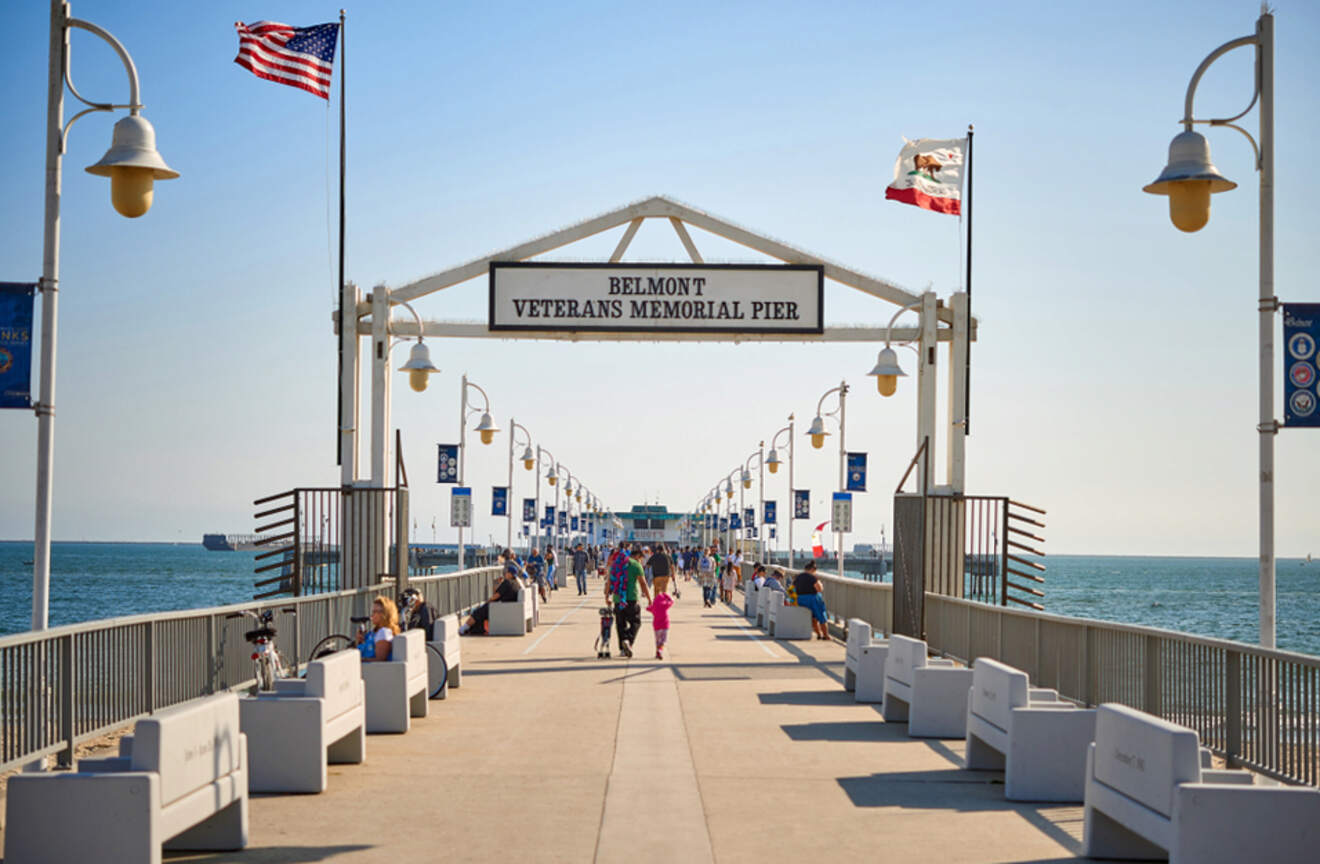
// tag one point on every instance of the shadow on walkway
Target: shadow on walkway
(269, 854)
(809, 697)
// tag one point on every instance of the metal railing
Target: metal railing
(1258, 708)
(63, 686)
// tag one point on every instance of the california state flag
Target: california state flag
(929, 174)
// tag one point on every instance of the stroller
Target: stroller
(606, 628)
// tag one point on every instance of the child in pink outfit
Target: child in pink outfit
(659, 610)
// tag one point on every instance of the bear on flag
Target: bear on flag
(929, 174)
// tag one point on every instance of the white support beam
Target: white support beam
(957, 438)
(349, 376)
(686, 240)
(629, 233)
(926, 385)
(380, 370)
(479, 330)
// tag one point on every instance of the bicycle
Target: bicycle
(437, 668)
(267, 661)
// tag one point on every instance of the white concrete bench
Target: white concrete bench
(182, 783)
(865, 662)
(787, 622)
(929, 695)
(749, 598)
(513, 619)
(1038, 740)
(1148, 795)
(764, 601)
(305, 724)
(396, 688)
(444, 636)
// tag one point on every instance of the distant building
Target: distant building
(653, 523)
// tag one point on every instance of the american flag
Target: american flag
(302, 57)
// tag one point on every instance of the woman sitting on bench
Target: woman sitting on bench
(375, 643)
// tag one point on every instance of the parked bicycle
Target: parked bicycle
(268, 662)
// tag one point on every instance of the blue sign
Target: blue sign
(499, 500)
(527, 530)
(856, 472)
(447, 472)
(750, 534)
(749, 517)
(563, 520)
(724, 523)
(772, 533)
(770, 508)
(1301, 365)
(735, 522)
(529, 510)
(16, 344)
(573, 524)
(549, 520)
(801, 504)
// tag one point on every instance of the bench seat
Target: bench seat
(396, 688)
(929, 695)
(787, 622)
(444, 636)
(513, 619)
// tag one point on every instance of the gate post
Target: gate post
(909, 566)
(400, 539)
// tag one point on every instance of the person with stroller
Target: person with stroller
(627, 579)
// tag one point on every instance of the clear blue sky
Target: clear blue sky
(1114, 382)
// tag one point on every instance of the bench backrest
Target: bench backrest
(1144, 757)
(189, 745)
(997, 689)
(905, 654)
(445, 628)
(859, 636)
(336, 679)
(410, 647)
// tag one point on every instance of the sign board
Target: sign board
(749, 517)
(573, 523)
(751, 532)
(548, 520)
(769, 517)
(529, 509)
(856, 472)
(657, 298)
(1301, 365)
(499, 500)
(460, 507)
(724, 523)
(563, 521)
(842, 517)
(16, 300)
(801, 504)
(447, 464)
(735, 522)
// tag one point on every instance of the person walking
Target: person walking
(627, 578)
(659, 610)
(580, 568)
(662, 569)
(706, 569)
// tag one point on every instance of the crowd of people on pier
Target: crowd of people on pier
(633, 572)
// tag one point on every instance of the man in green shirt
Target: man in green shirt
(628, 614)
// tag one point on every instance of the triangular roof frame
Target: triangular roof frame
(661, 207)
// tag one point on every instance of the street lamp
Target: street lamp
(528, 459)
(419, 366)
(773, 462)
(1189, 179)
(759, 456)
(818, 433)
(886, 369)
(550, 476)
(132, 164)
(486, 427)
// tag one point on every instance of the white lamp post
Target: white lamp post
(529, 462)
(486, 428)
(132, 164)
(550, 476)
(818, 434)
(1189, 179)
(773, 461)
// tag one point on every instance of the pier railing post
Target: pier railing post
(1152, 701)
(67, 695)
(1233, 707)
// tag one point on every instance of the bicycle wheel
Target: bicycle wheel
(329, 645)
(438, 670)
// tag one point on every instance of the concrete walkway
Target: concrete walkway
(735, 749)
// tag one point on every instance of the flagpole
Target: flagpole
(967, 367)
(343, 68)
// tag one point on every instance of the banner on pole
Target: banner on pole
(460, 507)
(563, 521)
(749, 517)
(735, 522)
(751, 532)
(16, 300)
(773, 532)
(499, 500)
(842, 512)
(856, 472)
(549, 520)
(529, 510)
(724, 523)
(573, 524)
(801, 504)
(769, 517)
(1301, 364)
(447, 472)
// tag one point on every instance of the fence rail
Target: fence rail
(1258, 708)
(62, 686)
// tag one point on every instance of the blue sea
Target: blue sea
(1207, 596)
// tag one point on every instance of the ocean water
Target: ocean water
(1207, 596)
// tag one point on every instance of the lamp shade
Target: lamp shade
(887, 371)
(772, 461)
(133, 166)
(817, 427)
(487, 428)
(1189, 179)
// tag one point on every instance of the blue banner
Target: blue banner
(750, 533)
(529, 510)
(447, 472)
(770, 508)
(772, 533)
(735, 522)
(724, 523)
(573, 524)
(16, 344)
(499, 500)
(856, 472)
(1301, 359)
(801, 504)
(563, 520)
(549, 519)
(749, 517)
(527, 530)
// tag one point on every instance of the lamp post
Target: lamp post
(1189, 179)
(132, 164)
(773, 461)
(728, 508)
(818, 433)
(529, 462)
(486, 428)
(757, 454)
(551, 477)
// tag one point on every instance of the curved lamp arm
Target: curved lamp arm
(1188, 120)
(486, 408)
(514, 426)
(889, 331)
(418, 318)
